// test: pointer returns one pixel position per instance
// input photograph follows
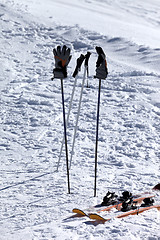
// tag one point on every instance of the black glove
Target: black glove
(101, 64)
(62, 59)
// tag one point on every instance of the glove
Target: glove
(101, 64)
(62, 59)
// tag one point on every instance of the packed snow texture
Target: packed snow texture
(34, 200)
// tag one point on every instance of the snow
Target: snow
(34, 200)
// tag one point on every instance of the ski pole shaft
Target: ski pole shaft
(78, 113)
(65, 136)
(96, 148)
(70, 107)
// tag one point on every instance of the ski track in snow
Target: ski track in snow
(34, 200)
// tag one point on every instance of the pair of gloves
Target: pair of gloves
(63, 57)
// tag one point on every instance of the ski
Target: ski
(137, 211)
(99, 208)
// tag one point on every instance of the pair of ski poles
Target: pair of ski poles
(75, 74)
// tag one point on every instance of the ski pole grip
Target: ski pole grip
(87, 56)
(78, 66)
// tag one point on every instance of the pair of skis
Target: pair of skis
(93, 212)
(117, 206)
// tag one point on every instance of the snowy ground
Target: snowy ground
(34, 201)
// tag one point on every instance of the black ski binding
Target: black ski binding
(128, 205)
(147, 202)
(109, 199)
(125, 196)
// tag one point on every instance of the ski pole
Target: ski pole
(65, 136)
(80, 100)
(78, 113)
(101, 73)
(75, 75)
(70, 107)
(62, 58)
(96, 148)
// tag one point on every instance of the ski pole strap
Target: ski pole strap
(78, 66)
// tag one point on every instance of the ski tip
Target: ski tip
(97, 217)
(79, 212)
(157, 187)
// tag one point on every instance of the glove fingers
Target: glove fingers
(54, 52)
(64, 50)
(99, 50)
(68, 52)
(58, 51)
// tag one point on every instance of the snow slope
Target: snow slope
(34, 201)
